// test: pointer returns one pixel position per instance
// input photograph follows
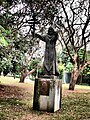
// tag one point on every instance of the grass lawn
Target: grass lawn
(16, 100)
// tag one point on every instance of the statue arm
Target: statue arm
(40, 37)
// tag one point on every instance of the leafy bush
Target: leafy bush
(60, 69)
(86, 70)
(33, 65)
(68, 67)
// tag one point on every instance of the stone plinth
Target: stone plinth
(47, 94)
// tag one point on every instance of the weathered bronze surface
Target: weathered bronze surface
(47, 94)
(49, 64)
(44, 87)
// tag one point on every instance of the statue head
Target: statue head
(50, 31)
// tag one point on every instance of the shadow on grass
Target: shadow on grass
(15, 102)
(7, 91)
(10, 102)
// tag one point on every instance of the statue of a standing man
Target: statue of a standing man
(49, 64)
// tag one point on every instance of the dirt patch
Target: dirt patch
(16, 102)
(77, 91)
(7, 91)
(68, 92)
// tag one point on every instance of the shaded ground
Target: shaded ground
(16, 100)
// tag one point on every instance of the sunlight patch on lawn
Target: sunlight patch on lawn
(6, 79)
(11, 81)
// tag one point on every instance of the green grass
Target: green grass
(77, 87)
(76, 106)
(16, 100)
(6, 80)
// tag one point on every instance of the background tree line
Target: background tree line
(71, 18)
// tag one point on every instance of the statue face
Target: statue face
(50, 31)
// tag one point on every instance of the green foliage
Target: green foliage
(69, 67)
(33, 65)
(86, 74)
(11, 60)
(3, 42)
(86, 70)
(64, 56)
(66, 59)
(60, 69)
(47, 13)
(12, 44)
(5, 66)
(88, 55)
(4, 33)
(80, 55)
(12, 51)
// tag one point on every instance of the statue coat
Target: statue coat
(49, 64)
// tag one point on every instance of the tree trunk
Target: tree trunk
(75, 73)
(77, 68)
(74, 77)
(22, 78)
(24, 73)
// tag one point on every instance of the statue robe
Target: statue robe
(49, 63)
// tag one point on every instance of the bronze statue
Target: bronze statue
(49, 64)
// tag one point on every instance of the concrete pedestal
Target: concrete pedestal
(47, 94)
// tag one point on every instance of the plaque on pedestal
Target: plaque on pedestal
(47, 94)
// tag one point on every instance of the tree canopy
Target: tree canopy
(71, 18)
